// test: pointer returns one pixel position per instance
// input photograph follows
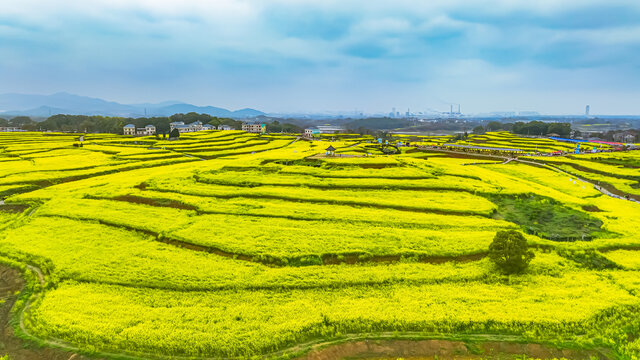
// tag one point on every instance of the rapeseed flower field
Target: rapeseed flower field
(225, 244)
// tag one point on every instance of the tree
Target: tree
(478, 130)
(562, 129)
(274, 127)
(509, 251)
(175, 134)
(494, 125)
(21, 121)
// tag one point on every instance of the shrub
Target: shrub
(509, 251)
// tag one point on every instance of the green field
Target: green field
(226, 244)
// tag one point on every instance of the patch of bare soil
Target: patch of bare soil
(443, 350)
(11, 283)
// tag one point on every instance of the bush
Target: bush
(509, 251)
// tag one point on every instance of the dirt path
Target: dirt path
(11, 282)
(444, 349)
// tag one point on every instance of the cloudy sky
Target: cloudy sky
(552, 56)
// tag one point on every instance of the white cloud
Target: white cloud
(228, 48)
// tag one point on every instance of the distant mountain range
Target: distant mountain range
(64, 103)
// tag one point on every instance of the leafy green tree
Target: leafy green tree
(509, 251)
(494, 125)
(30, 127)
(478, 130)
(541, 128)
(562, 129)
(276, 127)
(175, 134)
(21, 121)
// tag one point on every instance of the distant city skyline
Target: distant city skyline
(43, 105)
(286, 56)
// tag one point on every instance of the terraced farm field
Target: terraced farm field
(233, 245)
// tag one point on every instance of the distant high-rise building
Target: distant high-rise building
(586, 110)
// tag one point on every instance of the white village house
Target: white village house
(182, 128)
(131, 129)
(323, 129)
(11, 129)
(225, 127)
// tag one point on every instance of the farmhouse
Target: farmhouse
(10, 129)
(323, 129)
(131, 129)
(224, 127)
(254, 128)
(182, 128)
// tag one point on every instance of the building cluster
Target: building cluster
(131, 129)
(192, 127)
(323, 129)
(10, 129)
(624, 137)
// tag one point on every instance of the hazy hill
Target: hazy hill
(64, 103)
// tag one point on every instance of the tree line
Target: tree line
(23, 122)
(528, 128)
(114, 125)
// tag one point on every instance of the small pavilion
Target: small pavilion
(331, 151)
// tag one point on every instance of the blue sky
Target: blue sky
(552, 56)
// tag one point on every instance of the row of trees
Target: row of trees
(529, 128)
(541, 128)
(104, 124)
(114, 125)
(24, 122)
(277, 127)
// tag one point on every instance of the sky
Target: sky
(550, 56)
